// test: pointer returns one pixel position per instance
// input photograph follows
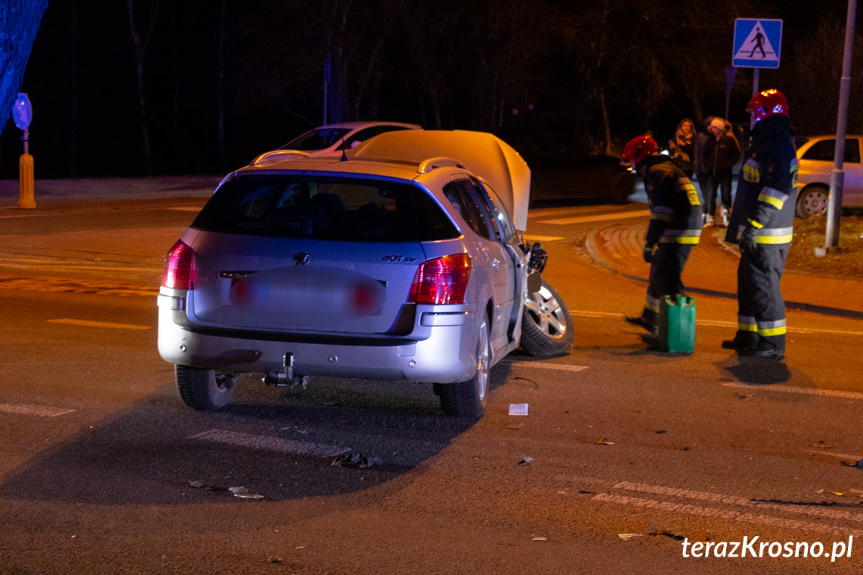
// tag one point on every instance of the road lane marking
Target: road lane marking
(268, 443)
(729, 514)
(597, 218)
(532, 238)
(798, 390)
(101, 324)
(541, 365)
(679, 503)
(37, 410)
(723, 324)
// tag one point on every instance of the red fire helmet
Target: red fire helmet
(637, 149)
(768, 103)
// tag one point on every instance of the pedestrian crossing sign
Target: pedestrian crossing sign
(757, 43)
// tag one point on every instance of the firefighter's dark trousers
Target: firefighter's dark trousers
(669, 259)
(760, 307)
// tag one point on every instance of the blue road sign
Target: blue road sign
(757, 43)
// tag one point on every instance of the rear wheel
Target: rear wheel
(813, 202)
(204, 389)
(546, 326)
(469, 398)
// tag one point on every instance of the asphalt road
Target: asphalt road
(630, 460)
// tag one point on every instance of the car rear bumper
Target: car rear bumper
(445, 355)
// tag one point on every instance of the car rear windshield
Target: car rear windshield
(324, 208)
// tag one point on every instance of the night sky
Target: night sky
(468, 64)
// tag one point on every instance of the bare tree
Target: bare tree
(142, 43)
(19, 22)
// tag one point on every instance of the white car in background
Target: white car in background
(331, 141)
(815, 155)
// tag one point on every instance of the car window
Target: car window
(468, 199)
(343, 209)
(824, 151)
(501, 216)
(316, 139)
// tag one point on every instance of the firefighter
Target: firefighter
(762, 223)
(675, 223)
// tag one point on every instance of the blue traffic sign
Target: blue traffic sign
(757, 43)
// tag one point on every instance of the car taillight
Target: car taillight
(179, 270)
(441, 280)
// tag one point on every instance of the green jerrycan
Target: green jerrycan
(677, 323)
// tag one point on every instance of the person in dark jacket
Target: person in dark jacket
(726, 152)
(762, 223)
(703, 147)
(681, 146)
(675, 224)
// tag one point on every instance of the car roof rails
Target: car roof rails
(430, 164)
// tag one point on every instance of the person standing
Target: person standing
(762, 223)
(703, 148)
(675, 223)
(726, 154)
(681, 146)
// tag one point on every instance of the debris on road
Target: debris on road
(356, 461)
(518, 408)
(526, 461)
(240, 492)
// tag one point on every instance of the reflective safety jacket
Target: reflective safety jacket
(767, 187)
(675, 204)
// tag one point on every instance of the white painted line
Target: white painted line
(798, 390)
(101, 324)
(809, 510)
(543, 365)
(599, 218)
(271, 443)
(532, 238)
(723, 324)
(37, 410)
(728, 514)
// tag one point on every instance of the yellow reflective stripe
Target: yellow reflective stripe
(691, 192)
(747, 327)
(768, 328)
(652, 304)
(679, 239)
(752, 171)
(786, 239)
(773, 197)
(689, 236)
(663, 217)
(754, 223)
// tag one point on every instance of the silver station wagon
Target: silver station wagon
(399, 261)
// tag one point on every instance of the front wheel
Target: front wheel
(546, 325)
(468, 398)
(204, 389)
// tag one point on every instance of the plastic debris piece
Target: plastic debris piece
(604, 441)
(274, 560)
(243, 493)
(356, 461)
(518, 408)
(628, 536)
(526, 461)
(539, 538)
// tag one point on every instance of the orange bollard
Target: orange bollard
(26, 200)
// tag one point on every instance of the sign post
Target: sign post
(22, 113)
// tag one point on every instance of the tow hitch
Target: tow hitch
(286, 376)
